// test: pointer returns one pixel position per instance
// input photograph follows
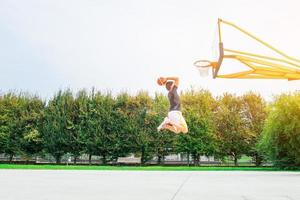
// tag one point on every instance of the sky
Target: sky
(121, 45)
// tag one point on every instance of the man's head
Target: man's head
(169, 85)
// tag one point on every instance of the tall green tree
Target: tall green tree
(198, 109)
(231, 128)
(79, 128)
(100, 141)
(85, 123)
(31, 123)
(108, 126)
(90, 119)
(281, 134)
(4, 125)
(11, 106)
(141, 118)
(254, 112)
(163, 141)
(122, 126)
(58, 125)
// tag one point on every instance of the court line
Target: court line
(181, 186)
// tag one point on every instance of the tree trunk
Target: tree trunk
(57, 159)
(235, 161)
(258, 160)
(188, 158)
(159, 158)
(104, 159)
(11, 156)
(90, 159)
(143, 159)
(75, 160)
(197, 160)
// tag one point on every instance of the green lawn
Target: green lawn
(136, 168)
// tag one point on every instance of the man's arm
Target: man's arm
(175, 79)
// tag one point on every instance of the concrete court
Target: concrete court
(148, 185)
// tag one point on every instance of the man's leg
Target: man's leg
(184, 129)
(176, 128)
(172, 128)
(176, 125)
(162, 125)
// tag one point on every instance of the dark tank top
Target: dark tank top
(174, 99)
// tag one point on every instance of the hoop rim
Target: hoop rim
(207, 64)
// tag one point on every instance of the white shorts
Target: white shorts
(174, 117)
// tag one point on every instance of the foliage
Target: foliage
(11, 126)
(281, 133)
(255, 113)
(31, 122)
(231, 127)
(163, 142)
(198, 111)
(108, 126)
(58, 125)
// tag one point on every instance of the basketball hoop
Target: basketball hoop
(203, 67)
(260, 66)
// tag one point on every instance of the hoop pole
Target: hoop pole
(257, 39)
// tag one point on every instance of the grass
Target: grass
(138, 168)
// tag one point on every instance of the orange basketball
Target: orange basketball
(160, 81)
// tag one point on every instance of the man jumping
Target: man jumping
(175, 121)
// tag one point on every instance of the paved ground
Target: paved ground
(151, 185)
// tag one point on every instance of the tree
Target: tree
(121, 126)
(100, 139)
(108, 127)
(58, 125)
(90, 121)
(198, 107)
(4, 124)
(79, 128)
(163, 142)
(255, 113)
(142, 120)
(281, 134)
(10, 127)
(84, 123)
(31, 122)
(231, 128)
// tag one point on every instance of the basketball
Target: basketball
(160, 81)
